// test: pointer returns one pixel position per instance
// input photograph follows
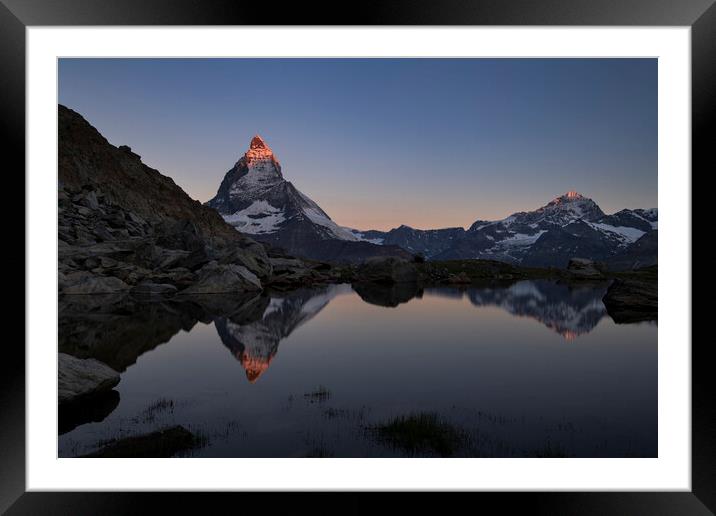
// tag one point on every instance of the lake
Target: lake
(532, 369)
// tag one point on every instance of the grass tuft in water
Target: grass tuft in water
(422, 432)
(320, 395)
(161, 406)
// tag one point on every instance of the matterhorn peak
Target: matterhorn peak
(257, 143)
(259, 151)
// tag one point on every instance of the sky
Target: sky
(378, 143)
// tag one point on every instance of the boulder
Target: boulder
(82, 378)
(92, 409)
(459, 279)
(585, 268)
(251, 255)
(216, 278)
(154, 289)
(165, 442)
(90, 201)
(387, 269)
(291, 272)
(179, 277)
(629, 301)
(83, 282)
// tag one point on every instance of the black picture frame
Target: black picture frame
(16, 15)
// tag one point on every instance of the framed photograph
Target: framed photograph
(421, 248)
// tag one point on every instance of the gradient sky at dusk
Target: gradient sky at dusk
(382, 142)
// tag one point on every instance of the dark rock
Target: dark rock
(154, 289)
(214, 278)
(90, 201)
(632, 300)
(88, 283)
(389, 269)
(585, 268)
(83, 378)
(90, 410)
(85, 212)
(101, 232)
(162, 443)
(459, 279)
(179, 277)
(291, 272)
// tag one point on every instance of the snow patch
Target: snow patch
(258, 219)
(625, 234)
(361, 237)
(521, 239)
(318, 216)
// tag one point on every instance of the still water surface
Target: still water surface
(532, 369)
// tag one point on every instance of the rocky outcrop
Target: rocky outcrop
(83, 378)
(461, 278)
(387, 270)
(117, 328)
(124, 225)
(83, 282)
(154, 289)
(632, 300)
(583, 268)
(214, 278)
(166, 442)
(93, 409)
(289, 273)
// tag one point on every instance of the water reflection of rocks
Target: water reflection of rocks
(117, 329)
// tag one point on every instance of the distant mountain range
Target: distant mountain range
(256, 199)
(569, 226)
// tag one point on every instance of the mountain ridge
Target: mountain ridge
(567, 226)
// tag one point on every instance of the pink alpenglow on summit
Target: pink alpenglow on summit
(259, 151)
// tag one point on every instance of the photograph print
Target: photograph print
(384, 257)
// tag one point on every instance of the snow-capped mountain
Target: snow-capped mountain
(570, 225)
(255, 198)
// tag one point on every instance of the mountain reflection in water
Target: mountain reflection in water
(255, 343)
(118, 330)
(569, 311)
